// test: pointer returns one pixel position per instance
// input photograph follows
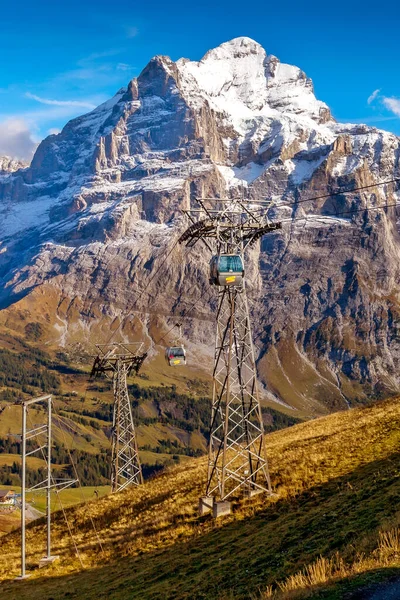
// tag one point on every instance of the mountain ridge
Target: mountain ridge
(93, 217)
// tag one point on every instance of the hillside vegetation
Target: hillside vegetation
(334, 516)
(172, 421)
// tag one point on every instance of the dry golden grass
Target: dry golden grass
(328, 570)
(9, 521)
(334, 514)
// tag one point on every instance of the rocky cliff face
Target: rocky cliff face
(91, 220)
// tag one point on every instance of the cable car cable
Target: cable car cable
(330, 195)
(182, 316)
(84, 500)
(319, 197)
(345, 212)
(142, 291)
(289, 220)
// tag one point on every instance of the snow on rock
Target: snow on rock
(268, 104)
(240, 80)
(241, 176)
(302, 170)
(101, 206)
(19, 216)
(157, 135)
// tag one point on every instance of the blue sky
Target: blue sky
(61, 59)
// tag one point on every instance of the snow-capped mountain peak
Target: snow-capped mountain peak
(240, 80)
(231, 76)
(101, 206)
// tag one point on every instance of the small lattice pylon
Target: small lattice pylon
(120, 361)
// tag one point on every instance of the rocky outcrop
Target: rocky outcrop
(93, 223)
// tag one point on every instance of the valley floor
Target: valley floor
(330, 530)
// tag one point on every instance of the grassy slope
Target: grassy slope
(37, 499)
(337, 484)
(9, 521)
(68, 497)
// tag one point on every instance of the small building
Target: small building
(7, 498)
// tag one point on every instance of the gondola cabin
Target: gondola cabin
(226, 269)
(175, 356)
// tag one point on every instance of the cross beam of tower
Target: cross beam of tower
(119, 361)
(237, 460)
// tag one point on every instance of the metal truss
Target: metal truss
(237, 461)
(237, 455)
(233, 223)
(42, 436)
(121, 360)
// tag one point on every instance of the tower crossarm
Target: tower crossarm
(252, 236)
(228, 220)
(110, 355)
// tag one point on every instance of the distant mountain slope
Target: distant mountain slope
(93, 218)
(337, 486)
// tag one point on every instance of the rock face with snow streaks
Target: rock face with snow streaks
(94, 216)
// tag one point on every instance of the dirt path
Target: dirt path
(33, 513)
(12, 520)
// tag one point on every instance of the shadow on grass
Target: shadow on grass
(244, 556)
(377, 584)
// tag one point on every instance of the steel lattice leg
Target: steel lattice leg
(126, 468)
(237, 456)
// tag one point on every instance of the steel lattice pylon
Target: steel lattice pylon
(237, 455)
(121, 361)
(237, 459)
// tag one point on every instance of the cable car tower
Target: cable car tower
(237, 461)
(118, 361)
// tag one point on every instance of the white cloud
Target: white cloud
(74, 103)
(132, 32)
(16, 139)
(36, 118)
(124, 67)
(392, 104)
(92, 58)
(47, 110)
(19, 133)
(88, 78)
(365, 120)
(373, 96)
